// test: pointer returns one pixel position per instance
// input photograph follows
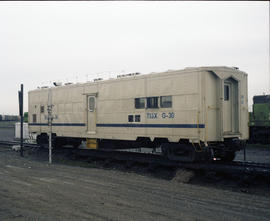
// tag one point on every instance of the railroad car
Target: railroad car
(9, 118)
(191, 114)
(259, 121)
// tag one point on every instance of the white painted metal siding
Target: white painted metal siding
(197, 95)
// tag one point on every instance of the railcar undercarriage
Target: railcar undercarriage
(183, 151)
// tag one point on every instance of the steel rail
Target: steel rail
(238, 167)
(11, 143)
(251, 168)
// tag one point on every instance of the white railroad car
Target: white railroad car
(191, 113)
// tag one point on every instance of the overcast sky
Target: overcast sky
(42, 42)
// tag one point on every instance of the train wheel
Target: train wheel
(76, 143)
(179, 152)
(164, 149)
(43, 140)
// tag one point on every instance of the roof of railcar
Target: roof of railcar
(181, 71)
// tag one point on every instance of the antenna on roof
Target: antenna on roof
(56, 84)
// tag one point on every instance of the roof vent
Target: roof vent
(128, 75)
(56, 84)
(98, 79)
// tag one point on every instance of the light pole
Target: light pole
(50, 119)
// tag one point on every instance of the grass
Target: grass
(7, 124)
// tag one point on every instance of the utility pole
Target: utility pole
(21, 116)
(50, 119)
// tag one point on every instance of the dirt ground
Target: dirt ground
(30, 189)
(34, 190)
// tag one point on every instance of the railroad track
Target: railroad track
(12, 143)
(235, 167)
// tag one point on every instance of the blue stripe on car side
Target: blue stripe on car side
(59, 124)
(154, 125)
(125, 125)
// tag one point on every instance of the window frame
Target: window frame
(151, 107)
(139, 98)
(226, 92)
(161, 104)
(137, 118)
(34, 118)
(89, 106)
(42, 109)
(130, 118)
